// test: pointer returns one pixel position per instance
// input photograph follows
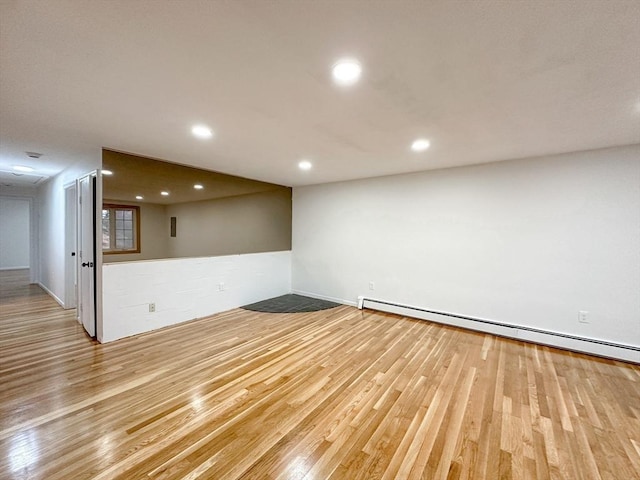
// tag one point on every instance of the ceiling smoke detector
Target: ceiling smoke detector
(33, 154)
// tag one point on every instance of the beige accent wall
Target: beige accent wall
(154, 234)
(259, 222)
(229, 215)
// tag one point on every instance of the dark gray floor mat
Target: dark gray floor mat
(290, 303)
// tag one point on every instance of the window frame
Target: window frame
(112, 207)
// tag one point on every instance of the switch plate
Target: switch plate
(372, 286)
(583, 316)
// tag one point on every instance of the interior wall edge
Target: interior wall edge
(51, 294)
(325, 297)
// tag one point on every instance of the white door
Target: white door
(86, 297)
(71, 249)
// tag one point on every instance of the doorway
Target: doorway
(16, 234)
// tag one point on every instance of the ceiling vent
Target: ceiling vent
(33, 154)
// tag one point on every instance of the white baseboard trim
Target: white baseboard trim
(51, 294)
(14, 268)
(324, 297)
(602, 348)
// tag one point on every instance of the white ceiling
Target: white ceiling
(483, 80)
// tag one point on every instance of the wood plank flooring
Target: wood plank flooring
(337, 394)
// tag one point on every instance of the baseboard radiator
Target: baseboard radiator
(629, 353)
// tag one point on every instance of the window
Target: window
(120, 229)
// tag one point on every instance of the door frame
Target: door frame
(97, 252)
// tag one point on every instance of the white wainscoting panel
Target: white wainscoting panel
(187, 288)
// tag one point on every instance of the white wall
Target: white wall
(14, 233)
(19, 191)
(51, 206)
(528, 242)
(185, 289)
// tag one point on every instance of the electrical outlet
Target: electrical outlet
(372, 286)
(221, 287)
(152, 307)
(583, 317)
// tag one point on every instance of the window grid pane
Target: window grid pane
(119, 229)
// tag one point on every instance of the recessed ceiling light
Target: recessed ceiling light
(201, 131)
(164, 194)
(346, 71)
(420, 145)
(197, 186)
(139, 197)
(107, 172)
(22, 168)
(304, 165)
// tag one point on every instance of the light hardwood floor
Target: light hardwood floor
(337, 394)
